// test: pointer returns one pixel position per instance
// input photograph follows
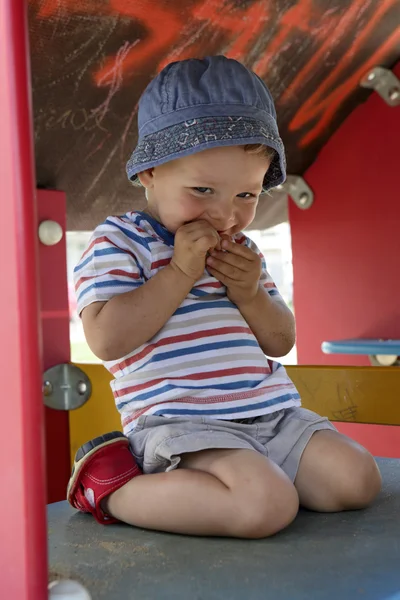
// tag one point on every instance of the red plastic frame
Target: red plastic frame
(23, 549)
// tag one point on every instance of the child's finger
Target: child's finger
(225, 268)
(231, 259)
(206, 243)
(220, 276)
(239, 250)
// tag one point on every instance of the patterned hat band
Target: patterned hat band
(203, 133)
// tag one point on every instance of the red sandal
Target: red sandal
(101, 466)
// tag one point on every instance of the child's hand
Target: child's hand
(239, 269)
(192, 243)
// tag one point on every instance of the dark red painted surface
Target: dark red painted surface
(56, 345)
(346, 248)
(92, 59)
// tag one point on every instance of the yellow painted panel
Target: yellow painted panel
(353, 394)
(99, 414)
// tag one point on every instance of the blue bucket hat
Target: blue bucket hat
(193, 105)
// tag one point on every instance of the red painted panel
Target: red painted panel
(55, 332)
(380, 440)
(346, 248)
(23, 554)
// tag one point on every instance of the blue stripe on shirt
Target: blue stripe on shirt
(228, 409)
(100, 252)
(109, 283)
(217, 303)
(142, 241)
(154, 392)
(198, 349)
(165, 235)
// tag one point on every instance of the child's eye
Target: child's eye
(203, 190)
(246, 195)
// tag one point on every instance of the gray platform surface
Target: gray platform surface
(342, 556)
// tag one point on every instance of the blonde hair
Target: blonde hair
(259, 149)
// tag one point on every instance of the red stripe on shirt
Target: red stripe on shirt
(208, 375)
(160, 263)
(119, 272)
(104, 239)
(213, 284)
(100, 240)
(196, 335)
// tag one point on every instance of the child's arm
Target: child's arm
(271, 321)
(115, 328)
(119, 326)
(240, 269)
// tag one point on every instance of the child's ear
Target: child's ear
(146, 178)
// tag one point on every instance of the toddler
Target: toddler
(179, 305)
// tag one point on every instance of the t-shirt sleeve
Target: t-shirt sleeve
(111, 264)
(265, 279)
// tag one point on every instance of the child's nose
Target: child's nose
(223, 215)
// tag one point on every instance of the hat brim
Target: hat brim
(196, 135)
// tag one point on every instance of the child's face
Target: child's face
(220, 185)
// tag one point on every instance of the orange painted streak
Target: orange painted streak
(333, 102)
(191, 48)
(163, 26)
(296, 18)
(210, 10)
(313, 107)
(246, 24)
(343, 25)
(256, 17)
(241, 25)
(49, 8)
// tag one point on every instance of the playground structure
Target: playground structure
(345, 236)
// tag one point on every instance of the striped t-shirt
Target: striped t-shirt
(205, 361)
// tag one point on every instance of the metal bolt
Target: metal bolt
(50, 233)
(394, 94)
(386, 360)
(47, 388)
(303, 199)
(82, 388)
(371, 76)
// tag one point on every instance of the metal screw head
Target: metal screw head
(82, 387)
(394, 94)
(47, 388)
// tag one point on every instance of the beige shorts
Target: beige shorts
(158, 442)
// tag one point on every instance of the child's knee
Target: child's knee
(263, 500)
(263, 514)
(362, 483)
